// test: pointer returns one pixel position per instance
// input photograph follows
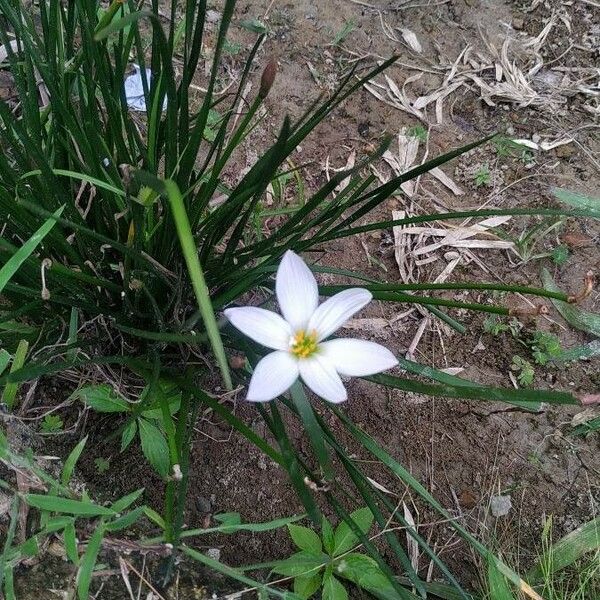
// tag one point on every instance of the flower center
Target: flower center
(303, 344)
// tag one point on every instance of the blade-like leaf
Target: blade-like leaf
(14, 262)
(66, 505)
(569, 549)
(71, 461)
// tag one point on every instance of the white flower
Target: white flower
(297, 338)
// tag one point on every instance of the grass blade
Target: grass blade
(190, 253)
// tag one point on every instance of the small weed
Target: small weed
(419, 132)
(51, 424)
(544, 347)
(524, 369)
(232, 48)
(494, 325)
(102, 465)
(482, 176)
(344, 32)
(560, 255)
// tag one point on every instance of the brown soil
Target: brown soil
(465, 452)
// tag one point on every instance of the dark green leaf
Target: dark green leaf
(70, 540)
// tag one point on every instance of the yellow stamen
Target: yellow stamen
(304, 344)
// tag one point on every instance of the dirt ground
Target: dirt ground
(465, 452)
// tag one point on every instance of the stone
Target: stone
(500, 505)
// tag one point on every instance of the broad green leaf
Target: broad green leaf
(300, 563)
(306, 585)
(12, 265)
(126, 501)
(173, 400)
(305, 539)
(579, 201)
(101, 398)
(333, 589)
(570, 548)
(230, 518)
(71, 461)
(88, 562)
(66, 505)
(70, 540)
(586, 351)
(154, 446)
(128, 434)
(57, 523)
(345, 538)
(328, 536)
(571, 313)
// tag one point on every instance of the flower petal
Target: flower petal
(263, 326)
(333, 313)
(297, 291)
(320, 376)
(272, 376)
(357, 357)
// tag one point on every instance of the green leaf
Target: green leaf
(4, 359)
(66, 505)
(154, 446)
(300, 563)
(230, 518)
(71, 461)
(253, 25)
(306, 585)
(126, 501)
(119, 24)
(345, 538)
(571, 313)
(128, 434)
(333, 589)
(101, 398)
(190, 254)
(11, 388)
(126, 520)
(569, 549)
(305, 539)
(70, 540)
(579, 201)
(88, 562)
(327, 535)
(497, 584)
(12, 265)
